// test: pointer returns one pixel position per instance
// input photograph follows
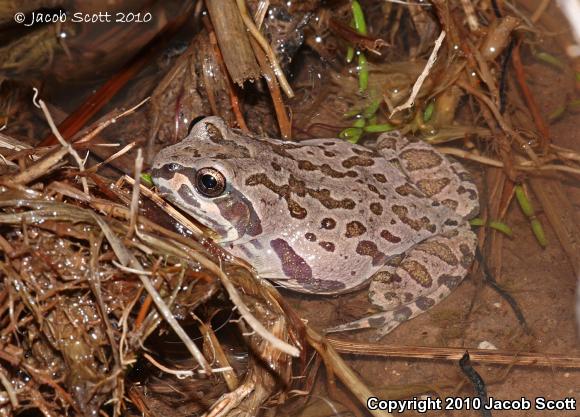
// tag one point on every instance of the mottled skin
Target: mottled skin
(324, 216)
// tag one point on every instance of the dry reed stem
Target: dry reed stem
(523, 166)
(234, 99)
(454, 354)
(266, 47)
(283, 122)
(38, 169)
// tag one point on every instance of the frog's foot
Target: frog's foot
(442, 179)
(387, 321)
(424, 276)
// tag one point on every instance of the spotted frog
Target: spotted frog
(324, 216)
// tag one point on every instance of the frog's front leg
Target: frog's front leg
(417, 280)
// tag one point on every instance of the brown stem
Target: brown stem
(530, 100)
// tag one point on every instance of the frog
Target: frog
(326, 217)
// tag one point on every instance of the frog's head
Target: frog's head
(199, 175)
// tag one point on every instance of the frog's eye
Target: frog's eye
(210, 182)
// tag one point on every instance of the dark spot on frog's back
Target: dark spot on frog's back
(327, 246)
(354, 229)
(424, 303)
(328, 223)
(433, 186)
(418, 272)
(421, 159)
(402, 213)
(324, 197)
(380, 178)
(285, 191)
(408, 189)
(357, 161)
(310, 236)
(296, 210)
(368, 248)
(191, 151)
(376, 208)
(389, 237)
(364, 152)
(293, 265)
(325, 169)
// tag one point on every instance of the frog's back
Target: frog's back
(340, 211)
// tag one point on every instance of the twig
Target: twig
(540, 11)
(500, 120)
(470, 14)
(135, 197)
(252, 321)
(176, 372)
(9, 390)
(117, 154)
(266, 47)
(110, 120)
(471, 156)
(523, 166)
(70, 150)
(39, 168)
(566, 153)
(421, 79)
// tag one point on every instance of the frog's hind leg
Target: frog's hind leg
(440, 178)
(425, 275)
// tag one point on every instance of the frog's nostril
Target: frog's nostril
(173, 167)
(166, 171)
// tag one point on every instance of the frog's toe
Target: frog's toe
(385, 321)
